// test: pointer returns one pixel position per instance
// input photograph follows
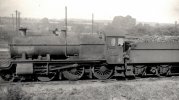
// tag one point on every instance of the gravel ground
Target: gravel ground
(140, 89)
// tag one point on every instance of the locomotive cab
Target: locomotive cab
(114, 49)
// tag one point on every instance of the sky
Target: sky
(162, 11)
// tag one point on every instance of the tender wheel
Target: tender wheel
(7, 75)
(102, 72)
(73, 73)
(46, 78)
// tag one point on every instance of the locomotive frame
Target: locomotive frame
(101, 59)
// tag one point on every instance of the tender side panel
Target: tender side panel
(154, 56)
(155, 52)
(156, 45)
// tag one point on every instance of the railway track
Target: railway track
(93, 81)
(153, 88)
(60, 82)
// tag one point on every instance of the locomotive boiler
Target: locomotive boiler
(34, 46)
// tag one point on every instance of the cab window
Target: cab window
(120, 41)
(113, 41)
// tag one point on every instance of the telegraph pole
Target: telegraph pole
(0, 25)
(92, 23)
(16, 21)
(19, 20)
(66, 28)
(12, 22)
(176, 26)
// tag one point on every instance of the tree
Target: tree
(44, 21)
(121, 25)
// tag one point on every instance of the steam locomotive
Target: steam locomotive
(45, 58)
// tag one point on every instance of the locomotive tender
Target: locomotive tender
(48, 57)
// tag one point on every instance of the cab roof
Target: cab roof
(118, 34)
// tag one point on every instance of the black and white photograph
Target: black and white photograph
(89, 49)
